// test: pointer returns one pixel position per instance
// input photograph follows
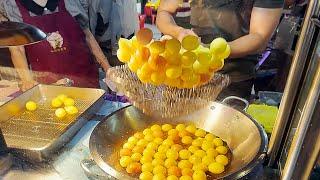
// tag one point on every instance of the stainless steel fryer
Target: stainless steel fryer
(36, 135)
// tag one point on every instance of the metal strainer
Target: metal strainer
(164, 101)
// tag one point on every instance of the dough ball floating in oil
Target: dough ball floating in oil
(169, 62)
(169, 152)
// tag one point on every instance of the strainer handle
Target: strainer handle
(92, 170)
(225, 100)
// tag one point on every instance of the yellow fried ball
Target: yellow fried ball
(128, 145)
(200, 133)
(149, 137)
(218, 45)
(222, 149)
(180, 127)
(222, 159)
(209, 137)
(217, 142)
(147, 167)
(142, 142)
(125, 152)
(212, 152)
(199, 175)
(145, 159)
(207, 160)
(71, 110)
(216, 168)
(56, 102)
(156, 127)
(149, 152)
(68, 102)
(133, 140)
(166, 127)
(62, 97)
(31, 106)
(177, 147)
(159, 169)
(184, 164)
(172, 177)
(136, 157)
(195, 159)
(158, 140)
(207, 145)
(200, 153)
(60, 113)
(125, 161)
(172, 154)
(185, 178)
(200, 167)
(190, 42)
(147, 131)
(152, 145)
(138, 149)
(170, 162)
(158, 133)
(197, 142)
(193, 148)
(160, 155)
(191, 129)
(156, 162)
(184, 154)
(163, 148)
(174, 170)
(186, 140)
(139, 135)
(146, 176)
(173, 132)
(183, 133)
(168, 142)
(187, 172)
(159, 177)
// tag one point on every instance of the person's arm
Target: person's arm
(20, 63)
(78, 10)
(166, 23)
(262, 25)
(96, 50)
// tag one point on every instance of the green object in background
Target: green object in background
(264, 114)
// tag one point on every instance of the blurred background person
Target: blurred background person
(67, 53)
(110, 20)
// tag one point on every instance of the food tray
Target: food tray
(36, 135)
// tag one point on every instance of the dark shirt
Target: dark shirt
(229, 19)
(226, 18)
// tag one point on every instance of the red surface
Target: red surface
(148, 12)
(142, 19)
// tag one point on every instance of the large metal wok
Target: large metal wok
(245, 137)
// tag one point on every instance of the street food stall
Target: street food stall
(58, 131)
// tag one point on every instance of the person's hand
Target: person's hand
(184, 32)
(27, 84)
(64, 82)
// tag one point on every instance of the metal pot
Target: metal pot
(244, 136)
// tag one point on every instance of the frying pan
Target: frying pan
(245, 137)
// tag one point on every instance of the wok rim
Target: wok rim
(258, 159)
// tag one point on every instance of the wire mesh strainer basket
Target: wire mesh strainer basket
(165, 101)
